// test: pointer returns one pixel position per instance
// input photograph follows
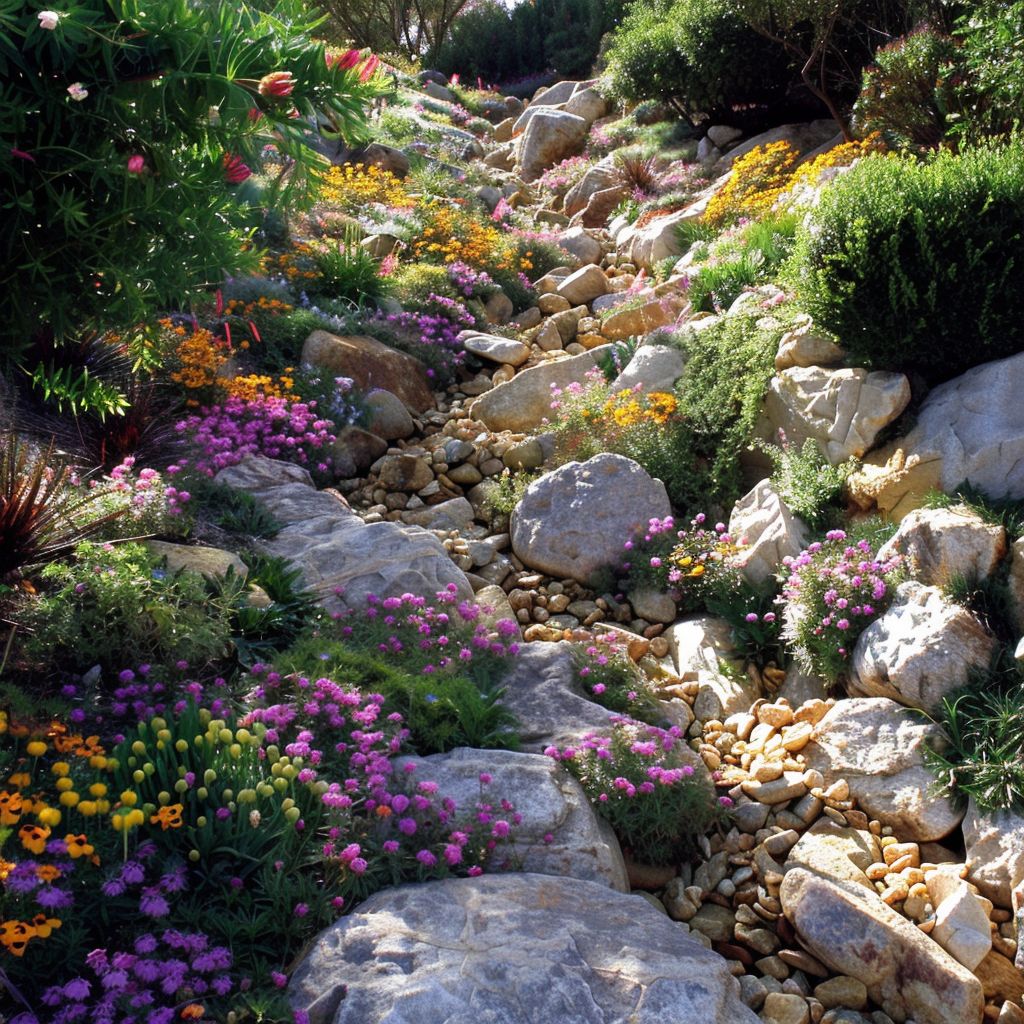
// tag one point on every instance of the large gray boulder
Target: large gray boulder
(769, 531)
(524, 402)
(652, 368)
(603, 175)
(852, 931)
(920, 650)
(512, 949)
(550, 802)
(342, 558)
(970, 429)
(550, 136)
(542, 689)
(574, 521)
(878, 746)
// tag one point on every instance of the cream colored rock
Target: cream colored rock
(961, 918)
(550, 136)
(921, 649)
(652, 368)
(804, 346)
(642, 319)
(701, 646)
(583, 286)
(198, 558)
(588, 104)
(940, 543)
(769, 531)
(877, 746)
(994, 841)
(603, 175)
(842, 410)
(494, 348)
(856, 934)
(968, 429)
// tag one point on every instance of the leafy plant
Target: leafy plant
(348, 273)
(42, 518)
(613, 679)
(234, 510)
(913, 266)
(836, 588)
(807, 482)
(131, 130)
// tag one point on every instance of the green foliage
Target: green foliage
(983, 723)
(508, 491)
(42, 518)
(127, 134)
(612, 679)
(348, 273)
(808, 483)
(741, 259)
(1005, 512)
(414, 283)
(696, 55)
(442, 711)
(902, 95)
(917, 266)
(728, 369)
(233, 510)
(990, 85)
(114, 607)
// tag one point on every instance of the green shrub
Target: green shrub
(115, 607)
(128, 137)
(413, 283)
(348, 273)
(807, 482)
(918, 267)
(695, 55)
(728, 369)
(902, 92)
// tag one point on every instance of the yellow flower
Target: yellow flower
(36, 748)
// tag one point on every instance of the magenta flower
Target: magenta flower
(136, 163)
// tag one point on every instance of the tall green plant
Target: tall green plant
(127, 133)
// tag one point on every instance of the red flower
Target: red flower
(277, 83)
(345, 61)
(136, 163)
(235, 171)
(369, 67)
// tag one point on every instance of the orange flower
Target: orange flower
(33, 837)
(43, 925)
(78, 846)
(11, 807)
(168, 817)
(194, 1011)
(15, 935)
(48, 873)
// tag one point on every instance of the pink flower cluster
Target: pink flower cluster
(224, 434)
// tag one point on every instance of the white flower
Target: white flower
(77, 91)
(48, 20)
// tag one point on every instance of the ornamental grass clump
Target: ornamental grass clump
(836, 588)
(642, 780)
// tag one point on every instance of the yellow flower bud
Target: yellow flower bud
(287, 803)
(181, 786)
(201, 821)
(60, 768)
(101, 762)
(68, 799)
(229, 794)
(202, 792)
(129, 799)
(48, 816)
(139, 748)
(235, 750)
(280, 784)
(160, 745)
(273, 754)
(289, 771)
(243, 735)
(276, 768)
(247, 796)
(102, 806)
(158, 723)
(98, 789)
(149, 767)
(265, 789)
(225, 736)
(138, 776)
(193, 855)
(292, 815)
(88, 808)
(181, 746)
(64, 784)
(209, 777)
(163, 798)
(36, 748)
(165, 735)
(205, 714)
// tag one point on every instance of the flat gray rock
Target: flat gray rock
(513, 949)
(334, 548)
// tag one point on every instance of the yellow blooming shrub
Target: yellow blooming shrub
(759, 178)
(350, 187)
(450, 234)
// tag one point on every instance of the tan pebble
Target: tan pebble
(875, 828)
(876, 872)
(927, 925)
(904, 863)
(856, 819)
(796, 737)
(767, 771)
(892, 852)
(835, 816)
(914, 907)
(813, 779)
(839, 790)
(887, 840)
(912, 876)
(893, 894)
(812, 711)
(775, 715)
